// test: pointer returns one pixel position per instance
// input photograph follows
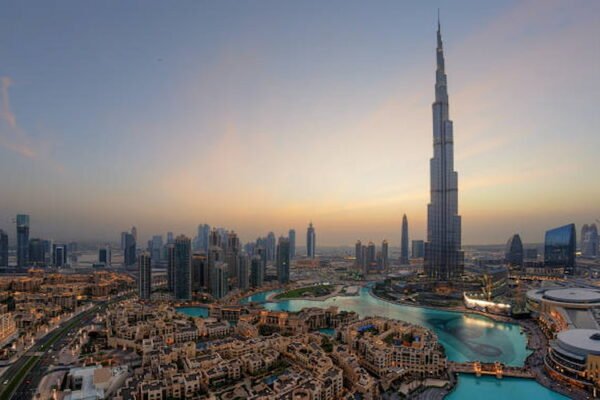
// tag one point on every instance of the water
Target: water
(194, 311)
(473, 388)
(466, 337)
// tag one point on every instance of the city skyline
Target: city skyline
(76, 163)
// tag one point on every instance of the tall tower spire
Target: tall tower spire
(444, 259)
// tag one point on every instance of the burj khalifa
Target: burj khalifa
(444, 259)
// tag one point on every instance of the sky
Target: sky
(264, 115)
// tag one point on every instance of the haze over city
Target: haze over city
(266, 117)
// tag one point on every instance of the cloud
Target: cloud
(14, 138)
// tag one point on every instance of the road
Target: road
(26, 373)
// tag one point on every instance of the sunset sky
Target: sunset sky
(264, 115)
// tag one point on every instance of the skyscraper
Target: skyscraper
(171, 267)
(271, 246)
(404, 242)
(514, 251)
(358, 253)
(199, 271)
(283, 260)
(218, 280)
(257, 272)
(444, 259)
(22, 240)
(145, 276)
(37, 252)
(418, 249)
(129, 251)
(134, 233)
(156, 248)
(311, 241)
(243, 271)
(292, 236)
(59, 255)
(201, 242)
(371, 256)
(589, 240)
(559, 248)
(183, 268)
(104, 256)
(3, 249)
(385, 256)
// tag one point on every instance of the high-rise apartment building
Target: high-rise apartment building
(145, 276)
(311, 241)
(283, 260)
(130, 249)
(444, 259)
(271, 246)
(171, 267)
(22, 240)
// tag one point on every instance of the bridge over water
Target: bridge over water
(496, 369)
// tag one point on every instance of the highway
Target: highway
(23, 377)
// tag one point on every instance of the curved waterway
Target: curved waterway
(466, 337)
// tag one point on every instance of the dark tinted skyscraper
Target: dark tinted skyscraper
(514, 251)
(59, 255)
(145, 275)
(559, 248)
(183, 268)
(311, 241)
(22, 240)
(37, 252)
(444, 259)
(418, 249)
(104, 256)
(129, 250)
(292, 236)
(243, 271)
(283, 260)
(257, 273)
(404, 242)
(3, 249)
(199, 271)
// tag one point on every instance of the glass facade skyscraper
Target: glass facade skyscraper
(283, 260)
(514, 251)
(183, 268)
(559, 248)
(22, 240)
(444, 259)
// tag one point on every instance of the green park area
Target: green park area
(308, 291)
